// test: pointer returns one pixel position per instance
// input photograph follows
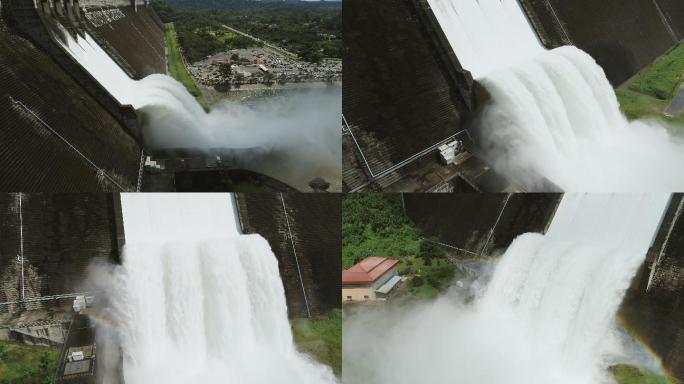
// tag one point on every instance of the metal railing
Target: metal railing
(376, 176)
(491, 231)
(294, 251)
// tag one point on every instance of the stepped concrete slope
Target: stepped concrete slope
(623, 36)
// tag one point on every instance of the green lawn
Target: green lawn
(636, 106)
(662, 80)
(26, 364)
(321, 338)
(627, 374)
(177, 69)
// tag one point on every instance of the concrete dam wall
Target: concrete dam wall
(310, 269)
(59, 236)
(56, 112)
(134, 38)
(404, 89)
(480, 223)
(623, 36)
(654, 305)
(67, 130)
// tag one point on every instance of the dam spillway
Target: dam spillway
(546, 316)
(553, 113)
(199, 301)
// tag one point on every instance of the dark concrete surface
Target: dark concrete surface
(404, 89)
(466, 220)
(315, 221)
(623, 36)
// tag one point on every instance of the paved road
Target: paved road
(677, 105)
(267, 44)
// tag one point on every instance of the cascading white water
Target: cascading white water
(487, 35)
(546, 316)
(200, 303)
(553, 113)
(293, 139)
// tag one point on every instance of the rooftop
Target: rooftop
(367, 270)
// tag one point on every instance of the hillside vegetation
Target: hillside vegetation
(374, 224)
(26, 364)
(312, 31)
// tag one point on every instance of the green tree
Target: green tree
(268, 78)
(239, 79)
(235, 57)
(225, 72)
(375, 225)
(429, 249)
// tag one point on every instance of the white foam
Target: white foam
(553, 113)
(199, 302)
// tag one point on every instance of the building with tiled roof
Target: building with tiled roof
(373, 278)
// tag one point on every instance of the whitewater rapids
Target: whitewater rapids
(553, 113)
(197, 302)
(546, 316)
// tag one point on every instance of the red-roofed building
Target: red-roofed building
(373, 278)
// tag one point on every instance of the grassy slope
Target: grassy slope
(626, 374)
(22, 363)
(662, 80)
(321, 338)
(650, 93)
(636, 106)
(177, 69)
